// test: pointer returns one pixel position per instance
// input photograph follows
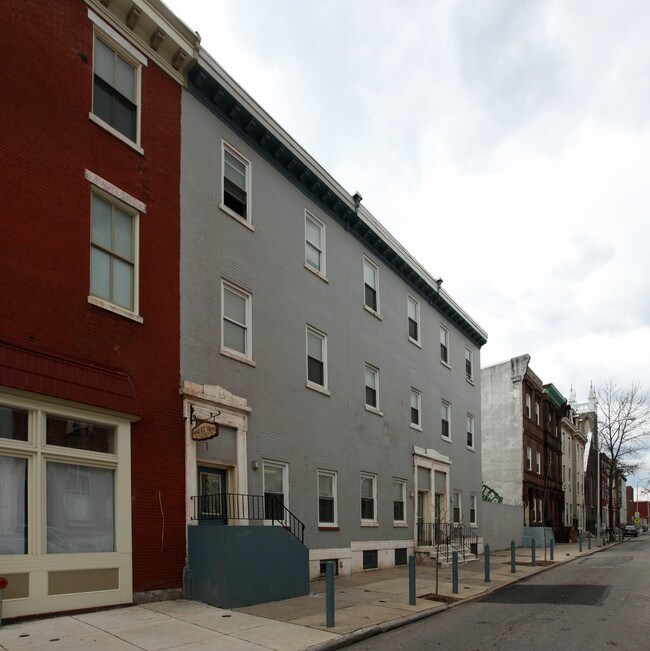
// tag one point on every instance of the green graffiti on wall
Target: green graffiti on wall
(490, 495)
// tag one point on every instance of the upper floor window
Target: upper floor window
(473, 501)
(316, 358)
(276, 489)
(528, 405)
(470, 431)
(457, 507)
(371, 285)
(416, 399)
(236, 321)
(116, 88)
(368, 498)
(413, 311)
(529, 458)
(538, 463)
(314, 243)
(444, 345)
(445, 413)
(372, 387)
(537, 411)
(399, 500)
(113, 269)
(469, 364)
(236, 184)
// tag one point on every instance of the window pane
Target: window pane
(370, 297)
(325, 485)
(371, 397)
(234, 337)
(80, 509)
(315, 371)
(412, 310)
(234, 306)
(366, 487)
(125, 113)
(102, 102)
(313, 233)
(371, 378)
(123, 245)
(100, 274)
(102, 222)
(398, 491)
(326, 510)
(234, 170)
(367, 508)
(312, 256)
(13, 424)
(125, 82)
(13, 505)
(414, 400)
(122, 284)
(273, 479)
(104, 61)
(79, 435)
(314, 346)
(369, 274)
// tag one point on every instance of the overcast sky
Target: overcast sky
(505, 144)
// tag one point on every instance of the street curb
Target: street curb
(347, 639)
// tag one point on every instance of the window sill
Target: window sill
(321, 275)
(447, 364)
(446, 438)
(374, 410)
(236, 217)
(328, 527)
(114, 132)
(417, 427)
(469, 380)
(226, 352)
(471, 448)
(367, 523)
(116, 309)
(415, 342)
(400, 525)
(318, 388)
(371, 311)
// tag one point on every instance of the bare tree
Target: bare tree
(623, 420)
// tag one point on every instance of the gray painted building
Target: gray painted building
(333, 362)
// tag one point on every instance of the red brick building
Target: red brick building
(92, 501)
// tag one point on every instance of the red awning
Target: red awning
(68, 379)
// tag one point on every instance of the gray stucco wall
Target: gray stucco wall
(289, 422)
(502, 523)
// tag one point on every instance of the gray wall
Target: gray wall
(289, 422)
(502, 523)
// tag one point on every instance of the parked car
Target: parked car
(630, 530)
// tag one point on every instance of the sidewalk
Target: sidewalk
(366, 604)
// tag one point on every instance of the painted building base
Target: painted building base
(541, 535)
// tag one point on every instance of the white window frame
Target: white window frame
(246, 220)
(322, 271)
(117, 198)
(446, 406)
(322, 388)
(538, 462)
(470, 431)
(373, 478)
(415, 305)
(469, 359)
(402, 483)
(528, 405)
(457, 504)
(247, 356)
(473, 506)
(131, 56)
(417, 395)
(537, 416)
(529, 458)
(285, 483)
(374, 371)
(444, 344)
(333, 475)
(370, 265)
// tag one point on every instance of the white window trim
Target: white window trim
(248, 221)
(229, 352)
(410, 299)
(370, 263)
(113, 195)
(333, 475)
(321, 388)
(469, 378)
(404, 521)
(127, 51)
(321, 273)
(366, 521)
(442, 361)
(285, 482)
(418, 394)
(473, 497)
(472, 420)
(375, 410)
(448, 405)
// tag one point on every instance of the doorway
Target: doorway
(424, 514)
(212, 495)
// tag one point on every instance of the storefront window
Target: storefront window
(13, 505)
(80, 435)
(13, 424)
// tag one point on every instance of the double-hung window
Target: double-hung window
(470, 431)
(473, 516)
(314, 244)
(416, 409)
(469, 364)
(413, 312)
(538, 463)
(529, 458)
(371, 286)
(236, 184)
(327, 508)
(316, 358)
(444, 345)
(275, 490)
(445, 414)
(113, 252)
(236, 320)
(368, 498)
(537, 412)
(456, 507)
(372, 388)
(399, 501)
(527, 405)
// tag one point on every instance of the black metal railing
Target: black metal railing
(446, 538)
(235, 506)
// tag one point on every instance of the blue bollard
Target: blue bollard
(513, 565)
(532, 553)
(580, 542)
(487, 563)
(589, 540)
(329, 593)
(552, 546)
(454, 572)
(412, 581)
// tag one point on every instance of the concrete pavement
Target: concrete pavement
(366, 604)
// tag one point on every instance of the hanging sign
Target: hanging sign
(204, 431)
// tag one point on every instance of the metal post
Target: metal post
(513, 565)
(454, 572)
(329, 593)
(532, 554)
(580, 542)
(487, 563)
(412, 581)
(589, 540)
(552, 546)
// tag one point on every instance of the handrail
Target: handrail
(236, 506)
(447, 537)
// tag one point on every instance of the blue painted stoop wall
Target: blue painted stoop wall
(231, 566)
